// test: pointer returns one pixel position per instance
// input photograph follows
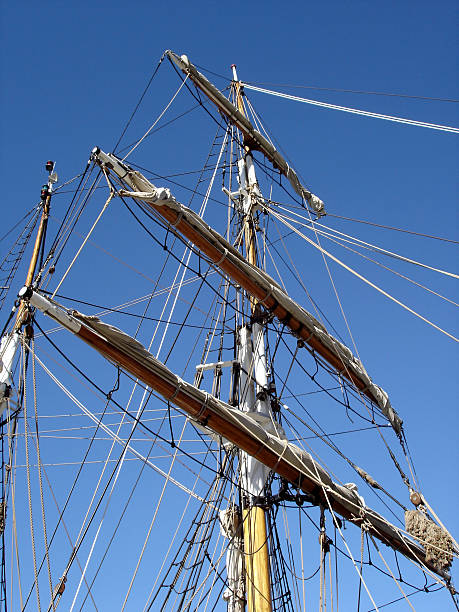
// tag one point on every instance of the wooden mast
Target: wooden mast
(257, 578)
(46, 192)
(23, 309)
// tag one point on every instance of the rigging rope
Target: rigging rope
(341, 242)
(354, 91)
(432, 126)
(397, 582)
(13, 446)
(156, 121)
(153, 520)
(10, 263)
(366, 244)
(139, 102)
(112, 434)
(407, 278)
(19, 222)
(365, 280)
(40, 479)
(29, 489)
(395, 229)
(109, 199)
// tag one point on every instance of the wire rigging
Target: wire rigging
(394, 229)
(354, 91)
(355, 111)
(147, 87)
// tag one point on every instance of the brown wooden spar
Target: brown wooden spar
(289, 461)
(252, 137)
(254, 280)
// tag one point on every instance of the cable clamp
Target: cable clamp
(222, 258)
(267, 296)
(176, 392)
(204, 407)
(177, 221)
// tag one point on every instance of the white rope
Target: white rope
(114, 436)
(118, 470)
(12, 452)
(69, 539)
(368, 244)
(157, 120)
(177, 529)
(391, 573)
(29, 488)
(153, 520)
(336, 522)
(365, 280)
(355, 111)
(213, 563)
(97, 461)
(84, 242)
(341, 242)
(40, 478)
(189, 251)
(432, 512)
(135, 301)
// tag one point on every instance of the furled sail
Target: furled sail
(251, 137)
(239, 428)
(254, 280)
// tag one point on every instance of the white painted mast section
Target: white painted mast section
(260, 367)
(8, 347)
(253, 473)
(252, 359)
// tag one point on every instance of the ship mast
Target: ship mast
(252, 399)
(10, 342)
(46, 192)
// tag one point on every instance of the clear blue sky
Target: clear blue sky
(71, 74)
